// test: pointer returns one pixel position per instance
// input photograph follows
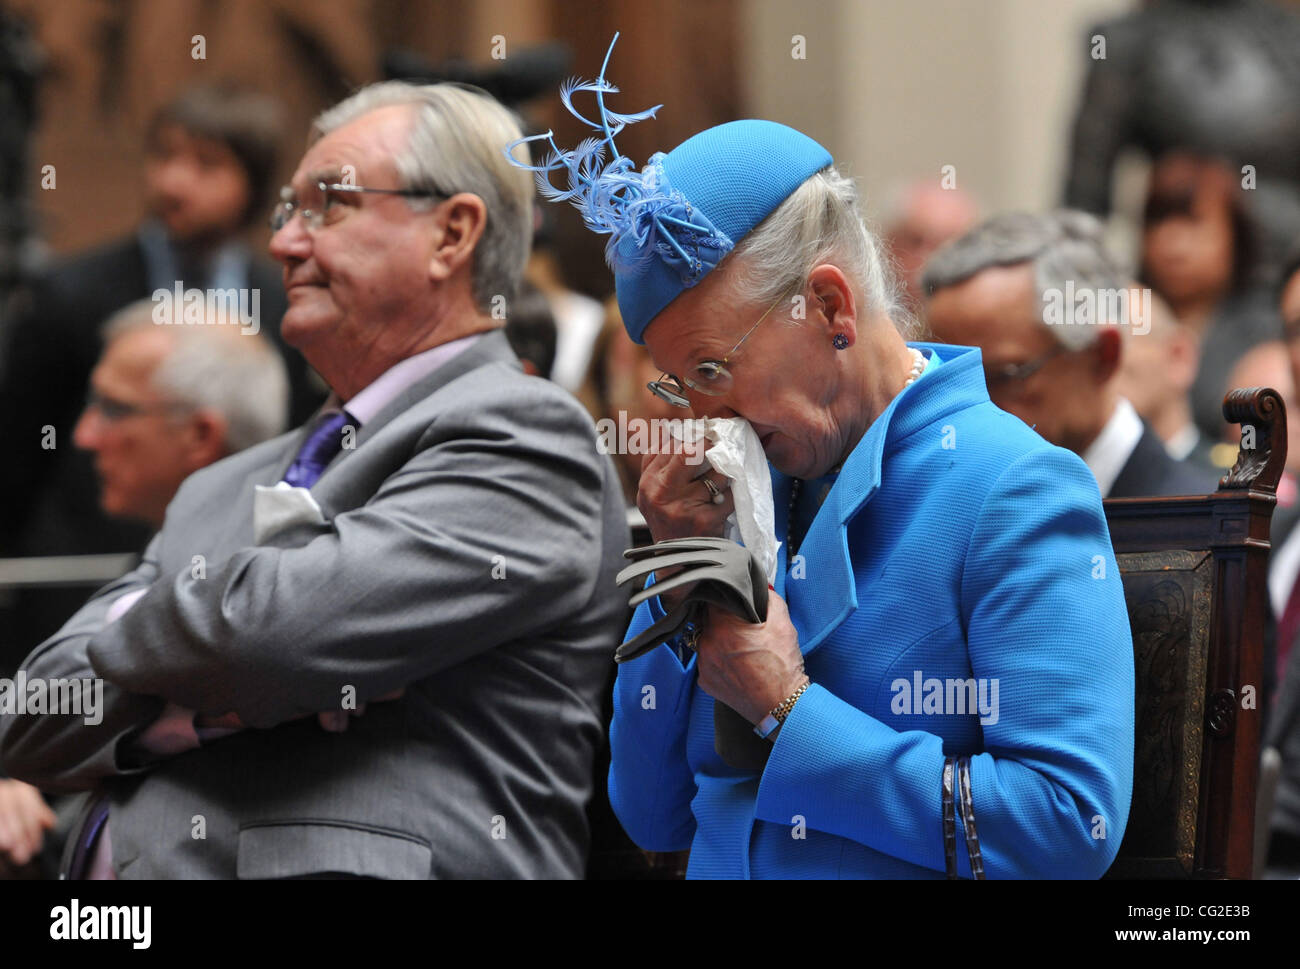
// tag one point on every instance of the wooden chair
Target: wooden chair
(1195, 578)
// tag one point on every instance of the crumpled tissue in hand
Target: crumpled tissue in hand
(737, 453)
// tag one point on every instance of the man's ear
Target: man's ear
(205, 439)
(460, 224)
(1107, 351)
(833, 299)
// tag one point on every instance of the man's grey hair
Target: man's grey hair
(240, 376)
(456, 145)
(1063, 246)
(819, 222)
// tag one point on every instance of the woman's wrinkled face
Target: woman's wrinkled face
(783, 376)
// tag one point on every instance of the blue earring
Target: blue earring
(840, 341)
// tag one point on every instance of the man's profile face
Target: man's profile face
(358, 284)
(135, 433)
(195, 186)
(995, 311)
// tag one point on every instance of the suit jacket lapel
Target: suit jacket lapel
(824, 593)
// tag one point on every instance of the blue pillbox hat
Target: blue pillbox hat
(675, 220)
(736, 174)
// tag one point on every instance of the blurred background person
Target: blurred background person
(1263, 365)
(530, 329)
(577, 317)
(988, 289)
(167, 400)
(164, 401)
(926, 216)
(1199, 251)
(210, 155)
(1284, 565)
(616, 385)
(1214, 77)
(1283, 728)
(1268, 365)
(19, 64)
(1156, 371)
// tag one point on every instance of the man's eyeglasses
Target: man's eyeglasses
(709, 377)
(113, 410)
(316, 212)
(1016, 372)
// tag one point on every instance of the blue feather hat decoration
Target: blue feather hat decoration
(676, 219)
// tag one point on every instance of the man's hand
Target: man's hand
(751, 668)
(24, 819)
(675, 500)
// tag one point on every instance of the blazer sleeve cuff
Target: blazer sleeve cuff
(841, 771)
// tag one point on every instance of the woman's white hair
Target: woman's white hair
(456, 145)
(216, 367)
(820, 222)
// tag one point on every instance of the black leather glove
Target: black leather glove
(726, 575)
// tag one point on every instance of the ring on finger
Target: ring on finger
(715, 493)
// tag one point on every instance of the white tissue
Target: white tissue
(277, 508)
(738, 454)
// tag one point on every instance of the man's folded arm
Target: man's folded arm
(491, 530)
(62, 751)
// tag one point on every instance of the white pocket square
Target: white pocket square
(282, 506)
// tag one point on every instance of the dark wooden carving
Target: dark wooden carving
(1259, 465)
(1194, 571)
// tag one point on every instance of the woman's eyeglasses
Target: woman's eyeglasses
(709, 377)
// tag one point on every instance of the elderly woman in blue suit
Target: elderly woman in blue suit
(945, 675)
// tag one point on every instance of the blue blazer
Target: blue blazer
(956, 594)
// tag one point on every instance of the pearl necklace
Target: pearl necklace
(919, 363)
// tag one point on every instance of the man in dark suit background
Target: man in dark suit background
(211, 154)
(1035, 294)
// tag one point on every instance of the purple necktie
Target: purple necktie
(319, 450)
(90, 828)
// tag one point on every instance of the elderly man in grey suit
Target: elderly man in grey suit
(435, 550)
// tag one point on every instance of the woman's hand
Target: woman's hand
(751, 668)
(677, 503)
(675, 500)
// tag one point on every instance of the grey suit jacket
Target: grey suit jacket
(471, 541)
